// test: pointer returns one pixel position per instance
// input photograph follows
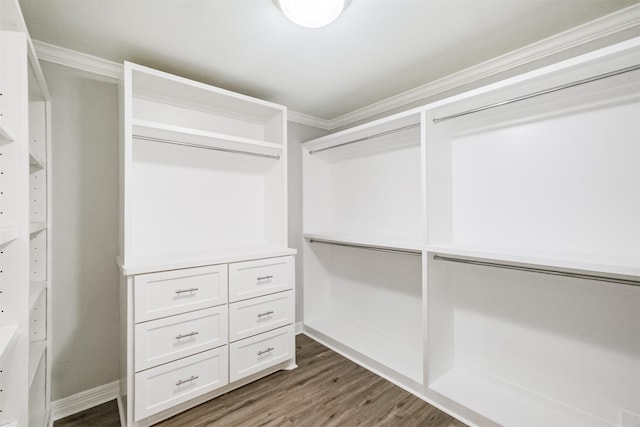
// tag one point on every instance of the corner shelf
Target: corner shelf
(6, 133)
(414, 246)
(588, 263)
(187, 136)
(7, 337)
(8, 234)
(37, 349)
(36, 227)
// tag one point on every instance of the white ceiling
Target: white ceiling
(376, 49)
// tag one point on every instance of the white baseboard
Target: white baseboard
(84, 400)
(299, 328)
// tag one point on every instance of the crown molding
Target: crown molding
(600, 28)
(78, 60)
(605, 26)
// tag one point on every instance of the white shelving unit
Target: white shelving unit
(25, 237)
(363, 228)
(204, 202)
(524, 306)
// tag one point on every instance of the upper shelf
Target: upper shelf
(413, 246)
(398, 129)
(627, 267)
(159, 132)
(36, 227)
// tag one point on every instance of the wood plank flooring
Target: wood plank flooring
(325, 390)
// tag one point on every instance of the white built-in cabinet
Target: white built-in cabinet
(207, 292)
(483, 251)
(25, 233)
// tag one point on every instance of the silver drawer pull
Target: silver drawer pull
(193, 378)
(190, 334)
(260, 353)
(265, 278)
(266, 313)
(182, 291)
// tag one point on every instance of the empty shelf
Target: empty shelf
(35, 161)
(7, 234)
(35, 227)
(6, 133)
(37, 350)
(35, 290)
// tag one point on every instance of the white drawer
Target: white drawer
(256, 278)
(262, 351)
(178, 291)
(167, 385)
(257, 315)
(164, 340)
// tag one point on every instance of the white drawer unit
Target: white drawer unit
(252, 355)
(167, 385)
(257, 315)
(173, 292)
(167, 339)
(252, 279)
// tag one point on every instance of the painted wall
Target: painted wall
(85, 230)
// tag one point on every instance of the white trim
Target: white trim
(299, 328)
(84, 400)
(600, 28)
(308, 120)
(607, 25)
(81, 61)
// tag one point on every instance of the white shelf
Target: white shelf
(148, 264)
(506, 403)
(7, 234)
(6, 133)
(374, 242)
(7, 336)
(13, 424)
(588, 263)
(400, 356)
(35, 290)
(36, 227)
(182, 135)
(35, 161)
(37, 350)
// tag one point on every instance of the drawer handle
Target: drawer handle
(266, 313)
(182, 291)
(265, 278)
(190, 334)
(193, 378)
(260, 353)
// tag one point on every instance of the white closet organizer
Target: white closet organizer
(25, 235)
(528, 297)
(208, 282)
(363, 229)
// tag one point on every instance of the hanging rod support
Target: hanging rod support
(539, 270)
(205, 147)
(377, 135)
(370, 248)
(539, 93)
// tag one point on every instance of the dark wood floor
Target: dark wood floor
(325, 390)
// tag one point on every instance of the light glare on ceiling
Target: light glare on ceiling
(312, 13)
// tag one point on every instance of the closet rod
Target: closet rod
(206, 147)
(369, 247)
(377, 135)
(539, 93)
(540, 270)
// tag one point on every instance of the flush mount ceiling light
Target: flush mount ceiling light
(312, 13)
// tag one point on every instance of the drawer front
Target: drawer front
(251, 355)
(174, 292)
(257, 315)
(164, 340)
(256, 278)
(167, 385)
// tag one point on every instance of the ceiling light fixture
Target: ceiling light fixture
(312, 13)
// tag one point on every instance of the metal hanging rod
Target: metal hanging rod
(205, 147)
(370, 248)
(377, 135)
(540, 270)
(539, 93)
